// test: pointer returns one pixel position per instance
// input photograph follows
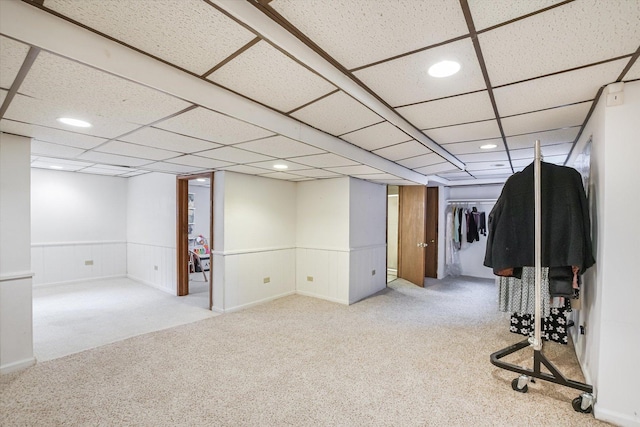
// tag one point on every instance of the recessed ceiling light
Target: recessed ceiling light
(488, 146)
(56, 167)
(444, 69)
(74, 122)
(280, 166)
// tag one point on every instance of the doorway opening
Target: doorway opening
(194, 237)
(392, 232)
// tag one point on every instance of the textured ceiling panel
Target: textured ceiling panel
(485, 156)
(280, 175)
(419, 161)
(159, 138)
(198, 162)
(234, 155)
(171, 168)
(337, 114)
(94, 170)
(450, 111)
(355, 170)
(12, 55)
(46, 134)
(317, 173)
(73, 87)
(400, 26)
(402, 151)
(134, 150)
(547, 151)
(434, 169)
(324, 160)
(376, 136)
(291, 166)
(475, 166)
(268, 76)
(211, 126)
(551, 137)
(246, 169)
(3, 95)
(473, 146)
(555, 118)
(112, 159)
(279, 146)
(46, 162)
(406, 81)
(489, 13)
(55, 150)
(466, 132)
(586, 38)
(559, 89)
(634, 72)
(187, 33)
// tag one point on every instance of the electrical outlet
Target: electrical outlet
(373, 272)
(266, 280)
(309, 278)
(155, 267)
(88, 262)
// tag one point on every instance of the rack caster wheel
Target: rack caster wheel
(583, 403)
(520, 384)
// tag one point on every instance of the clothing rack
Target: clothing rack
(582, 403)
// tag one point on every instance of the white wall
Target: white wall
(202, 214)
(255, 222)
(78, 226)
(367, 239)
(16, 327)
(610, 349)
(151, 230)
(323, 239)
(472, 254)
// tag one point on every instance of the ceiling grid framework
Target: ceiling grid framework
(244, 85)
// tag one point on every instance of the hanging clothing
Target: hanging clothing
(553, 327)
(565, 221)
(472, 227)
(519, 295)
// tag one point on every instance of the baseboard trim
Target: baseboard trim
(262, 301)
(326, 298)
(17, 366)
(615, 417)
(69, 282)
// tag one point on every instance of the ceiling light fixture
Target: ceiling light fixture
(74, 122)
(488, 146)
(280, 166)
(201, 180)
(56, 167)
(444, 69)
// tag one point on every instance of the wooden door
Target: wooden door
(412, 233)
(431, 251)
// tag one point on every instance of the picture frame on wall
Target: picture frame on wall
(191, 214)
(191, 200)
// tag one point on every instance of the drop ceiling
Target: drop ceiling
(328, 87)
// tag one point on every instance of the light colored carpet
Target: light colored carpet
(75, 317)
(405, 357)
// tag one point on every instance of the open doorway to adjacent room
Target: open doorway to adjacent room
(195, 238)
(392, 232)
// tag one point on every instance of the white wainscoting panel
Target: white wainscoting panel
(153, 265)
(54, 263)
(362, 263)
(245, 274)
(329, 270)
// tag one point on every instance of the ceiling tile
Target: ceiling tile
(475, 166)
(134, 150)
(234, 155)
(279, 146)
(376, 136)
(470, 147)
(136, 173)
(466, 132)
(485, 156)
(158, 138)
(171, 168)
(187, 33)
(419, 161)
(47, 134)
(493, 172)
(378, 177)
(55, 150)
(471, 107)
(550, 137)
(586, 38)
(324, 160)
(211, 126)
(486, 14)
(268, 76)
(96, 170)
(405, 80)
(557, 90)
(246, 169)
(555, 118)
(337, 114)
(269, 165)
(344, 28)
(199, 162)
(355, 170)
(102, 99)
(547, 151)
(434, 169)
(279, 175)
(59, 164)
(634, 72)
(402, 151)
(317, 173)
(12, 55)
(112, 159)
(455, 175)
(3, 95)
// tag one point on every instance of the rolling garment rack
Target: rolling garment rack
(582, 403)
